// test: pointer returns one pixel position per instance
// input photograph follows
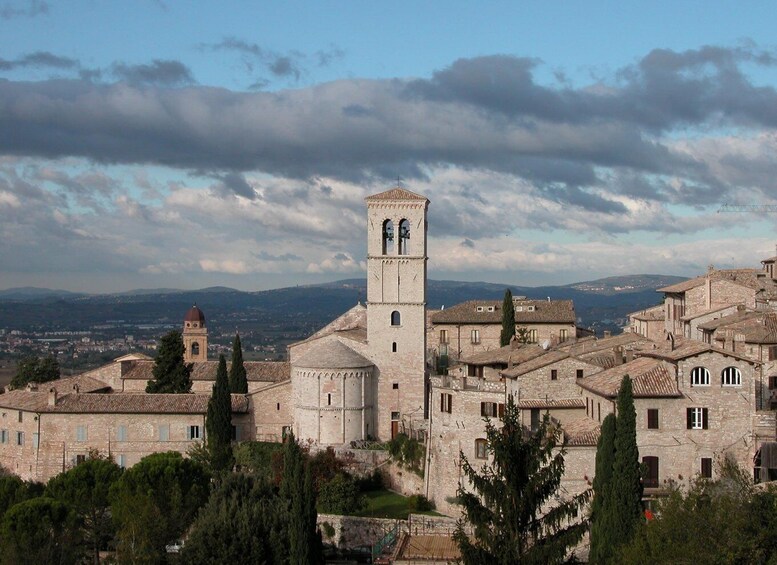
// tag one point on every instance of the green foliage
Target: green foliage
(297, 488)
(419, 503)
(218, 421)
(141, 536)
(407, 452)
(13, 490)
(84, 489)
(508, 319)
(238, 382)
(174, 489)
(621, 511)
(328, 530)
(605, 459)
(340, 495)
(244, 521)
(723, 521)
(325, 466)
(40, 530)
(34, 370)
(171, 374)
(522, 334)
(259, 458)
(514, 509)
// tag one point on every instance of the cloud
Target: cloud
(159, 72)
(39, 59)
(337, 263)
(32, 9)
(288, 65)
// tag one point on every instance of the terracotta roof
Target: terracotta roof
(549, 403)
(396, 193)
(744, 277)
(352, 325)
(628, 340)
(332, 354)
(84, 382)
(260, 371)
(502, 356)
(649, 377)
(690, 348)
(770, 260)
(538, 362)
(582, 432)
(653, 314)
(194, 315)
(711, 311)
(712, 325)
(554, 311)
(761, 328)
(117, 403)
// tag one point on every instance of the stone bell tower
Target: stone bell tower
(195, 336)
(396, 307)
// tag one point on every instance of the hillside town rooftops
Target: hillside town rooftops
(490, 312)
(350, 325)
(713, 325)
(550, 403)
(654, 314)
(649, 377)
(690, 348)
(751, 278)
(513, 353)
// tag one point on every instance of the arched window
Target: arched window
(395, 318)
(731, 377)
(388, 237)
(195, 348)
(700, 376)
(481, 448)
(394, 347)
(404, 237)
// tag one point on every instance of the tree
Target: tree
(341, 495)
(13, 490)
(605, 458)
(40, 530)
(297, 488)
(31, 369)
(621, 511)
(522, 334)
(139, 537)
(244, 521)
(513, 507)
(84, 488)
(508, 319)
(171, 374)
(218, 422)
(238, 382)
(174, 489)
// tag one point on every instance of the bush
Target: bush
(373, 481)
(328, 530)
(341, 495)
(407, 452)
(257, 458)
(419, 503)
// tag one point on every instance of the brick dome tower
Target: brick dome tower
(195, 336)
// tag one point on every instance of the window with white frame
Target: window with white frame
(481, 448)
(697, 418)
(700, 376)
(443, 336)
(121, 460)
(474, 336)
(446, 402)
(193, 432)
(121, 433)
(164, 432)
(80, 433)
(731, 376)
(532, 336)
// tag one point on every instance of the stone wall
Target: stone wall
(352, 531)
(271, 411)
(402, 479)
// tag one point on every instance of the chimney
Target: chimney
(52, 397)
(75, 388)
(708, 291)
(670, 337)
(629, 355)
(607, 333)
(618, 354)
(728, 342)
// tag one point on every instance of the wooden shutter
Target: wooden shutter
(501, 410)
(704, 419)
(442, 402)
(706, 467)
(652, 418)
(651, 475)
(483, 409)
(689, 417)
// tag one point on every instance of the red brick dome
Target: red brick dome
(194, 315)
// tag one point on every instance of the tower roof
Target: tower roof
(396, 193)
(194, 315)
(332, 355)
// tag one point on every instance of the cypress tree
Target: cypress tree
(297, 489)
(622, 509)
(218, 422)
(508, 319)
(605, 458)
(238, 383)
(171, 374)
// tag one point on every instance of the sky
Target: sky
(170, 144)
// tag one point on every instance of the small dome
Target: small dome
(332, 355)
(194, 315)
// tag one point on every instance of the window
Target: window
(388, 237)
(706, 467)
(501, 410)
(772, 352)
(277, 405)
(395, 386)
(329, 399)
(474, 336)
(395, 318)
(553, 374)
(80, 433)
(480, 448)
(446, 402)
(475, 371)
(697, 418)
(19, 438)
(121, 433)
(21, 416)
(586, 406)
(164, 432)
(195, 348)
(579, 374)
(599, 409)
(652, 418)
(731, 377)
(488, 409)
(35, 440)
(650, 479)
(700, 376)
(532, 336)
(3, 436)
(121, 461)
(443, 336)
(563, 335)
(535, 419)
(235, 433)
(193, 432)
(480, 308)
(394, 347)
(404, 237)
(395, 416)
(773, 382)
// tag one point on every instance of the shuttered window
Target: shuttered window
(697, 418)
(706, 467)
(651, 471)
(652, 418)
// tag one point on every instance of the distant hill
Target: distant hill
(300, 310)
